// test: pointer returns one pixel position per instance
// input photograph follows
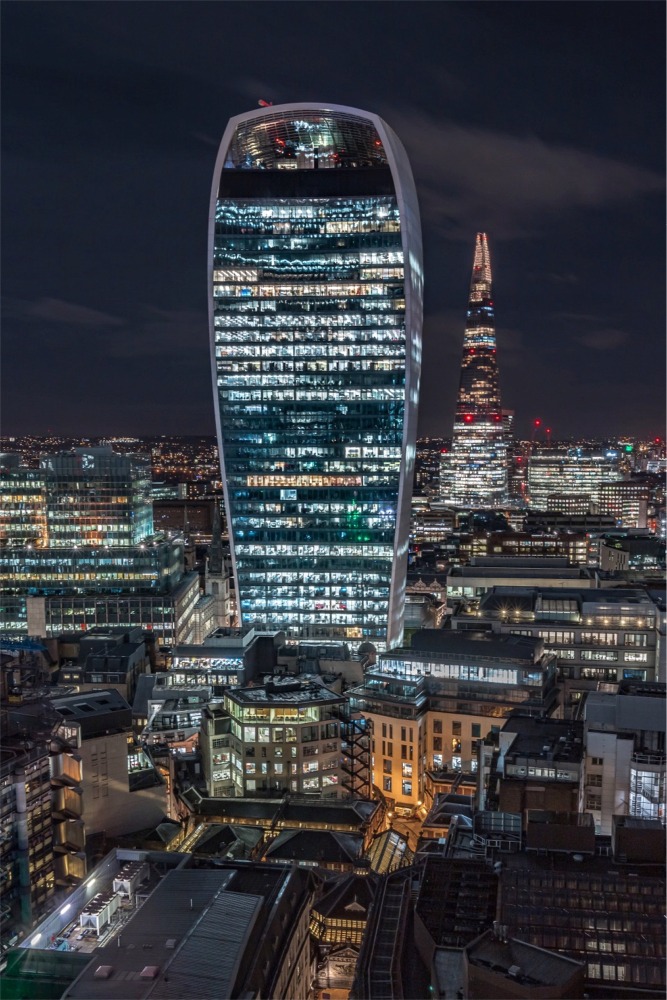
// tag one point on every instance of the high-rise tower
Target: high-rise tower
(474, 472)
(315, 314)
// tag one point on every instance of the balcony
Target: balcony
(656, 760)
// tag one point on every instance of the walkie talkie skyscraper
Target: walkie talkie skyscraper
(474, 472)
(315, 280)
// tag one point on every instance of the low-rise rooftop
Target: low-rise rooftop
(483, 645)
(522, 962)
(524, 736)
(284, 691)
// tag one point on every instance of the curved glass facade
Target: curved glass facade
(315, 308)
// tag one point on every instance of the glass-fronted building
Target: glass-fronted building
(23, 507)
(95, 496)
(475, 472)
(77, 549)
(569, 471)
(315, 311)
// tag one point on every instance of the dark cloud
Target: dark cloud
(467, 174)
(156, 332)
(603, 340)
(56, 311)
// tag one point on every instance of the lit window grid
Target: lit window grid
(109, 502)
(54, 570)
(476, 468)
(568, 475)
(314, 367)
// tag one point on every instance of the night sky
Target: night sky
(540, 123)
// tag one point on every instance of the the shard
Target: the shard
(474, 471)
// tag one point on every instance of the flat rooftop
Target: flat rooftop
(534, 966)
(83, 706)
(207, 652)
(557, 739)
(188, 939)
(445, 643)
(583, 600)
(288, 692)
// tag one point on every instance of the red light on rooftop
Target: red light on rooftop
(538, 423)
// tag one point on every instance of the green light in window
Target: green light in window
(629, 447)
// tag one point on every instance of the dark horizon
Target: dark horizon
(536, 123)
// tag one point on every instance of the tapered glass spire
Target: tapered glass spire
(474, 472)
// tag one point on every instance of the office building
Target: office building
(27, 857)
(106, 657)
(283, 736)
(121, 789)
(315, 314)
(538, 766)
(561, 520)
(598, 636)
(23, 508)
(471, 582)
(569, 471)
(605, 914)
(97, 497)
(625, 761)
(474, 473)
(429, 705)
(225, 931)
(80, 551)
(626, 501)
(522, 544)
(569, 503)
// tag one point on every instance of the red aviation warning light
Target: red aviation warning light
(468, 417)
(265, 104)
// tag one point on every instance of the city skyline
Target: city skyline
(566, 188)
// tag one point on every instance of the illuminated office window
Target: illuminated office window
(316, 294)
